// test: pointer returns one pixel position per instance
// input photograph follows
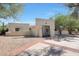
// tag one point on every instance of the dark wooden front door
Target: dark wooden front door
(46, 31)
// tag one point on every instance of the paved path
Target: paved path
(72, 44)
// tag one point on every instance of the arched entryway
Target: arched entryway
(46, 31)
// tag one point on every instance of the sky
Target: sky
(31, 11)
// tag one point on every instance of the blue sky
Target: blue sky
(41, 10)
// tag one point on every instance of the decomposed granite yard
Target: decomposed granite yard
(8, 45)
(17, 45)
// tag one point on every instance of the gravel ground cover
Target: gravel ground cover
(7, 44)
(41, 49)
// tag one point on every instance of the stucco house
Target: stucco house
(43, 28)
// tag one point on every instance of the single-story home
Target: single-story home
(42, 28)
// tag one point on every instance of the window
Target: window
(17, 29)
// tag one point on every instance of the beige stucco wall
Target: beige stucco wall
(41, 22)
(35, 30)
(24, 29)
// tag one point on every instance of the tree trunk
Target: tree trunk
(3, 30)
(70, 32)
(60, 32)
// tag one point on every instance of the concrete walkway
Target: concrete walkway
(64, 45)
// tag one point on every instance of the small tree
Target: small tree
(66, 22)
(60, 23)
(9, 10)
(71, 24)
